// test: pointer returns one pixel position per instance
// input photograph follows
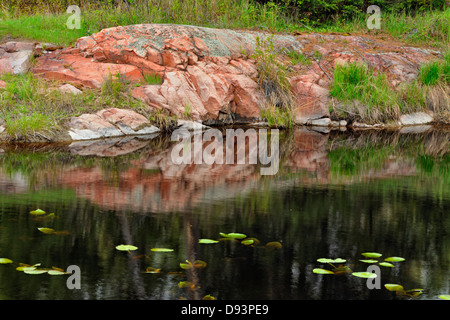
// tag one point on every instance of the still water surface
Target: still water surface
(335, 195)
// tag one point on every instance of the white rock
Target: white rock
(191, 125)
(417, 118)
(68, 88)
(322, 122)
(20, 61)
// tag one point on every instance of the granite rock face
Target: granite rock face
(209, 73)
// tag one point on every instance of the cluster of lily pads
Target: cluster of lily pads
(46, 230)
(183, 265)
(371, 259)
(36, 268)
(200, 264)
(234, 236)
(345, 269)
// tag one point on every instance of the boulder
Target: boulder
(108, 123)
(15, 62)
(417, 118)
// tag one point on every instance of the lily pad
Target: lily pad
(199, 264)
(56, 272)
(327, 260)
(322, 271)
(386, 264)
(369, 261)
(207, 241)
(274, 245)
(444, 296)
(35, 271)
(233, 235)
(208, 297)
(394, 259)
(24, 266)
(248, 242)
(364, 275)
(5, 261)
(126, 247)
(46, 230)
(186, 266)
(161, 250)
(414, 292)
(341, 270)
(187, 284)
(371, 254)
(152, 270)
(37, 212)
(255, 241)
(394, 287)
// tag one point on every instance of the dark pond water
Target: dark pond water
(335, 195)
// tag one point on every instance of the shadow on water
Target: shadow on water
(335, 195)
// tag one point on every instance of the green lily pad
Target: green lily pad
(186, 284)
(24, 266)
(444, 296)
(394, 259)
(327, 260)
(386, 264)
(35, 271)
(186, 266)
(255, 241)
(196, 264)
(322, 271)
(207, 241)
(208, 297)
(46, 230)
(371, 254)
(126, 247)
(364, 275)
(394, 287)
(56, 272)
(248, 242)
(161, 250)
(5, 261)
(369, 261)
(233, 235)
(37, 212)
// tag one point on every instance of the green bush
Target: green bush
(319, 11)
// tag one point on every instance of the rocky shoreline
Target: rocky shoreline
(208, 71)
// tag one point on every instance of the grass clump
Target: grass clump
(273, 80)
(436, 72)
(25, 125)
(278, 117)
(366, 97)
(362, 95)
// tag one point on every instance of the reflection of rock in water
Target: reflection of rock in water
(110, 147)
(144, 178)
